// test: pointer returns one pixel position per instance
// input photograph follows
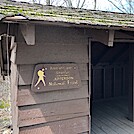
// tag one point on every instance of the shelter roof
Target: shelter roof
(71, 16)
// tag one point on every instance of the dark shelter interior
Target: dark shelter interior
(109, 70)
(110, 89)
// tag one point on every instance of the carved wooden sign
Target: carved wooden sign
(49, 77)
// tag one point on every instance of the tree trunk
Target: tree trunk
(47, 2)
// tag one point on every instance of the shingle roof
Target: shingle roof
(36, 12)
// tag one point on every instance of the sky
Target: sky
(101, 4)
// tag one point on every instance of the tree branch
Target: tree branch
(78, 3)
(115, 6)
(95, 4)
(82, 3)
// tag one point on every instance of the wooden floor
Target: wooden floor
(110, 117)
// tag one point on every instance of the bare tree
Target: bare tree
(78, 3)
(81, 3)
(126, 6)
(70, 3)
(47, 2)
(95, 4)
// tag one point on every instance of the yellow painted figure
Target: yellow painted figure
(41, 76)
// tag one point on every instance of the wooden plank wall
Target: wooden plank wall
(55, 112)
(109, 81)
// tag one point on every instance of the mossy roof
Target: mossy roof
(37, 12)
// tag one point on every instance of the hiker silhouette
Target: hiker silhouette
(41, 75)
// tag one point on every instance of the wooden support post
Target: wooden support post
(131, 83)
(89, 83)
(14, 90)
(1, 59)
(111, 38)
(28, 32)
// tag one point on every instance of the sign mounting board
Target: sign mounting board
(49, 77)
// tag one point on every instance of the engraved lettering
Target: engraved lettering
(49, 77)
(57, 83)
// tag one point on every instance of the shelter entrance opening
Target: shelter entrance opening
(110, 89)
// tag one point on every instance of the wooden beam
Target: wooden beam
(124, 36)
(124, 40)
(28, 32)
(104, 36)
(111, 38)
(99, 35)
(131, 83)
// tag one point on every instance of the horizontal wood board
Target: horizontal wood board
(53, 45)
(51, 53)
(27, 97)
(45, 113)
(71, 126)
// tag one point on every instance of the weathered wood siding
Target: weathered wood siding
(55, 112)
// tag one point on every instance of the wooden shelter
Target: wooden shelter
(63, 60)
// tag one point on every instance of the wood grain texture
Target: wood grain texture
(44, 113)
(54, 54)
(89, 83)
(14, 89)
(27, 97)
(26, 73)
(55, 112)
(112, 113)
(71, 126)
(58, 35)
(13, 53)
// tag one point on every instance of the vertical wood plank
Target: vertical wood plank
(122, 81)
(113, 82)
(97, 83)
(108, 82)
(104, 83)
(118, 81)
(89, 85)
(14, 88)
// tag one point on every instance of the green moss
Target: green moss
(70, 15)
(4, 104)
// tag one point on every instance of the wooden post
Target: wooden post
(14, 89)
(89, 83)
(111, 38)
(131, 83)
(28, 32)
